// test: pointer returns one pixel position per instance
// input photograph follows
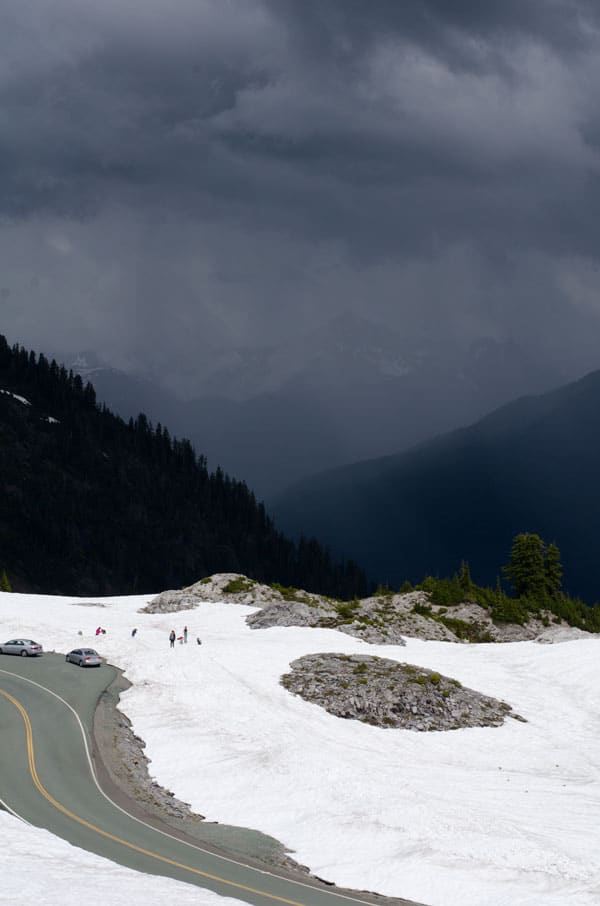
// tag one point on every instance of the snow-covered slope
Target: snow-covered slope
(39, 867)
(495, 816)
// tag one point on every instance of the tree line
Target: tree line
(534, 574)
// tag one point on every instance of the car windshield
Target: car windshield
(90, 651)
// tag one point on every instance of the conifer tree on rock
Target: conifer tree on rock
(4, 582)
(526, 568)
(535, 569)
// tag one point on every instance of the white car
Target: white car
(24, 647)
(85, 657)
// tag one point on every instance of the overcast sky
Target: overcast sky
(184, 175)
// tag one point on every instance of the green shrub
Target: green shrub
(424, 610)
(287, 592)
(509, 610)
(576, 613)
(347, 609)
(469, 632)
(447, 592)
(238, 585)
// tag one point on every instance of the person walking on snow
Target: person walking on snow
(185, 635)
(172, 638)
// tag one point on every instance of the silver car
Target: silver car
(24, 647)
(84, 657)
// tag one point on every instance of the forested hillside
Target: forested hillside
(90, 504)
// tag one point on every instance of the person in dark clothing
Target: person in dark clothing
(198, 641)
(133, 632)
(172, 638)
(185, 635)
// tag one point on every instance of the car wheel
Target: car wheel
(81, 664)
(23, 653)
(67, 659)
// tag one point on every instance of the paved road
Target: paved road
(47, 777)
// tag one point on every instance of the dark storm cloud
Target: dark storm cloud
(443, 28)
(266, 162)
(303, 111)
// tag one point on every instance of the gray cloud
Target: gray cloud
(187, 175)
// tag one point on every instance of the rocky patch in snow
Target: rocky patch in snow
(171, 602)
(385, 693)
(381, 619)
(558, 634)
(281, 606)
(230, 587)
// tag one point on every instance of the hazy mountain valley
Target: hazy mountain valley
(274, 415)
(529, 466)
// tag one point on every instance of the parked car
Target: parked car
(24, 647)
(84, 657)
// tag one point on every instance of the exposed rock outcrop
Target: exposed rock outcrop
(381, 619)
(385, 693)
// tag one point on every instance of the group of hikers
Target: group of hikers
(173, 637)
(182, 639)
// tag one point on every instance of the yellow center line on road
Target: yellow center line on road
(139, 849)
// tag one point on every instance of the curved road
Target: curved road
(47, 777)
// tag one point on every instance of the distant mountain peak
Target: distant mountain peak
(87, 363)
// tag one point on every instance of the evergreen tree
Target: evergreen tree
(554, 572)
(464, 576)
(4, 582)
(526, 568)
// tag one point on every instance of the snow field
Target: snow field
(483, 815)
(39, 867)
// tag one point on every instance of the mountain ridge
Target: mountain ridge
(528, 466)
